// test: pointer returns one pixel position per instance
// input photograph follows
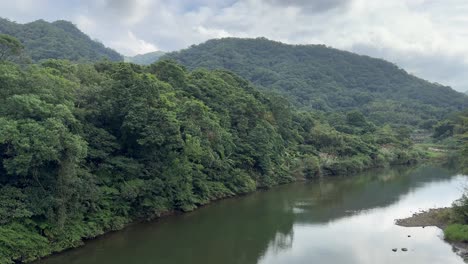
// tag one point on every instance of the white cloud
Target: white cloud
(212, 33)
(131, 45)
(85, 23)
(426, 37)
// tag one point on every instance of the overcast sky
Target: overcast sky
(428, 38)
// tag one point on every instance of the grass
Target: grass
(456, 233)
(432, 151)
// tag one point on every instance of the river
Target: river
(328, 221)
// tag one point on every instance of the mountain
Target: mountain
(323, 78)
(88, 148)
(145, 59)
(57, 40)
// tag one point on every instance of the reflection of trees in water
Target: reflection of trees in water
(329, 199)
(242, 230)
(281, 242)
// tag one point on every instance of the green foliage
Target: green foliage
(460, 210)
(88, 148)
(305, 167)
(453, 132)
(10, 47)
(443, 129)
(58, 40)
(20, 243)
(145, 59)
(321, 78)
(457, 127)
(456, 233)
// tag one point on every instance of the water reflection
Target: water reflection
(337, 220)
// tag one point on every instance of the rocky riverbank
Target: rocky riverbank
(439, 217)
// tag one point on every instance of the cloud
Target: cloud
(426, 37)
(311, 6)
(131, 45)
(212, 33)
(130, 11)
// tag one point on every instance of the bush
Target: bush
(456, 232)
(18, 242)
(460, 210)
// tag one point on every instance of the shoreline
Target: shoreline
(438, 217)
(175, 213)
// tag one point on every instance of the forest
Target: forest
(57, 40)
(145, 59)
(87, 148)
(316, 77)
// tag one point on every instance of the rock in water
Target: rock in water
(404, 249)
(394, 249)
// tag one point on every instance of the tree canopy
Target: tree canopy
(88, 148)
(316, 77)
(57, 40)
(10, 47)
(145, 59)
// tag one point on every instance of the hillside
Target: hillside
(323, 78)
(57, 40)
(145, 59)
(88, 148)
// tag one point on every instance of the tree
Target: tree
(10, 47)
(88, 148)
(315, 77)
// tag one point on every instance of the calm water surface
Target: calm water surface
(336, 220)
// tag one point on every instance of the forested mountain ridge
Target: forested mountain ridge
(145, 59)
(88, 148)
(323, 78)
(57, 40)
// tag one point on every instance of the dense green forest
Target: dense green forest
(453, 133)
(327, 79)
(461, 133)
(88, 148)
(57, 40)
(145, 59)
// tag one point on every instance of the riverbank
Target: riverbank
(438, 217)
(269, 219)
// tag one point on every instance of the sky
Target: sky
(428, 38)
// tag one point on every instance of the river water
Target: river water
(334, 220)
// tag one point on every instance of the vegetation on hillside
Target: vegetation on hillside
(145, 59)
(57, 40)
(88, 148)
(321, 78)
(453, 133)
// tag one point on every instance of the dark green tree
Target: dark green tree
(10, 48)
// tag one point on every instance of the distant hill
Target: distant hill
(57, 40)
(323, 78)
(145, 59)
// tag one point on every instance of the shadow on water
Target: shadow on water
(243, 230)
